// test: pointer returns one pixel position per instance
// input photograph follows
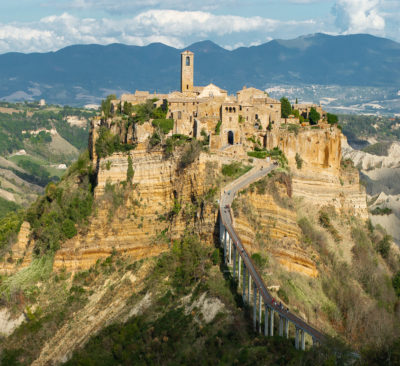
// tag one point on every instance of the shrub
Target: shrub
(259, 260)
(396, 283)
(299, 161)
(332, 118)
(130, 172)
(235, 169)
(190, 154)
(257, 154)
(107, 143)
(9, 228)
(381, 211)
(294, 128)
(383, 246)
(68, 228)
(164, 125)
(155, 139)
(106, 105)
(218, 128)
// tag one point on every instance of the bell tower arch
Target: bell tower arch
(187, 59)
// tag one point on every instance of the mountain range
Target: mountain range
(82, 74)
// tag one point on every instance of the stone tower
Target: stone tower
(187, 58)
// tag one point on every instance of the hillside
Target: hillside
(37, 144)
(82, 74)
(119, 262)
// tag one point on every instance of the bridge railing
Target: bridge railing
(228, 233)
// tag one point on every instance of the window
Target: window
(187, 61)
(187, 86)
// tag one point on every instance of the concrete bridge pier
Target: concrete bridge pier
(296, 341)
(255, 308)
(303, 342)
(249, 289)
(266, 321)
(287, 328)
(244, 283)
(239, 268)
(271, 323)
(234, 261)
(280, 326)
(224, 243)
(230, 250)
(259, 312)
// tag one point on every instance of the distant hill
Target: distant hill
(83, 74)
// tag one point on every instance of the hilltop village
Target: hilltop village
(224, 119)
(133, 229)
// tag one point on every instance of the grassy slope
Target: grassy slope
(353, 296)
(64, 148)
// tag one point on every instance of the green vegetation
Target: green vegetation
(380, 148)
(55, 216)
(275, 154)
(39, 174)
(106, 105)
(172, 142)
(314, 116)
(286, 107)
(381, 211)
(235, 170)
(10, 224)
(130, 172)
(165, 125)
(190, 153)
(7, 206)
(107, 143)
(332, 119)
(218, 128)
(294, 128)
(299, 161)
(396, 283)
(325, 222)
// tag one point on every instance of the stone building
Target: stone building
(209, 110)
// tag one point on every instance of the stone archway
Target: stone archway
(231, 138)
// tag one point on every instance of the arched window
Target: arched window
(187, 61)
(187, 86)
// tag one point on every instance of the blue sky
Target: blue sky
(48, 25)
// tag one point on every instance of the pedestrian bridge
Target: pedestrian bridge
(254, 291)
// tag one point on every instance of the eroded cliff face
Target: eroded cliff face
(144, 218)
(322, 179)
(20, 254)
(270, 227)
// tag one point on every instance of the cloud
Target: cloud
(128, 6)
(171, 27)
(360, 16)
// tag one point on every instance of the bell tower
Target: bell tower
(187, 58)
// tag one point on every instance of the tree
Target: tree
(314, 116)
(332, 118)
(106, 105)
(297, 102)
(286, 108)
(396, 283)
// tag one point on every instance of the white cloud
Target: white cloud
(360, 16)
(171, 27)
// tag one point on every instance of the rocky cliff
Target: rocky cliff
(321, 179)
(142, 218)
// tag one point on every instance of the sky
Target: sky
(48, 25)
